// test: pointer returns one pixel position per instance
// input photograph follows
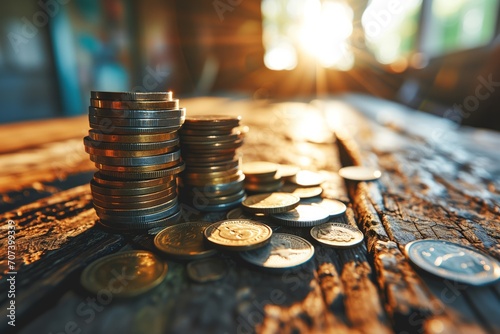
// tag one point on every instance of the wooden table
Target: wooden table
(439, 181)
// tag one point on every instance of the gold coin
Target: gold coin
(128, 154)
(238, 234)
(137, 138)
(125, 274)
(184, 241)
(128, 169)
(271, 203)
(140, 105)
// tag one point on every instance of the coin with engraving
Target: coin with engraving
(302, 216)
(207, 270)
(335, 208)
(184, 241)
(130, 273)
(360, 173)
(283, 252)
(270, 203)
(131, 96)
(238, 234)
(453, 261)
(337, 235)
(307, 178)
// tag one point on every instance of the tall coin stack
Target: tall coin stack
(212, 180)
(134, 143)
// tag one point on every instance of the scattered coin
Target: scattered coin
(287, 171)
(270, 203)
(207, 270)
(307, 192)
(306, 178)
(139, 271)
(335, 208)
(359, 173)
(184, 241)
(283, 252)
(302, 216)
(453, 261)
(338, 235)
(238, 234)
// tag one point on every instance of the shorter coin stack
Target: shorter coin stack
(262, 176)
(212, 180)
(134, 143)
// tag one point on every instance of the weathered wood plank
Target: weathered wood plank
(54, 239)
(411, 201)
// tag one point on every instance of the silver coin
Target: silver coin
(337, 235)
(147, 114)
(453, 261)
(137, 122)
(335, 208)
(360, 173)
(140, 161)
(284, 251)
(302, 216)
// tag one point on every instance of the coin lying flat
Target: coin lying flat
(207, 270)
(125, 274)
(335, 208)
(453, 261)
(359, 173)
(284, 251)
(287, 171)
(306, 178)
(270, 203)
(337, 235)
(260, 168)
(238, 234)
(307, 192)
(302, 216)
(184, 241)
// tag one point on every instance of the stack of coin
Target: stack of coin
(134, 143)
(261, 176)
(212, 180)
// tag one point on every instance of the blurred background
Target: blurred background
(439, 56)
